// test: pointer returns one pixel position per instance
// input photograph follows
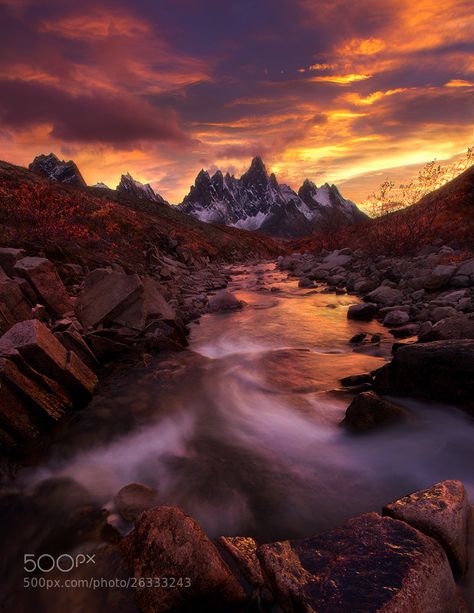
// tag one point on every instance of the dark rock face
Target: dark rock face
(368, 411)
(130, 187)
(362, 312)
(168, 543)
(257, 201)
(368, 565)
(54, 169)
(440, 512)
(442, 370)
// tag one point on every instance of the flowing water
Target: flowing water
(242, 429)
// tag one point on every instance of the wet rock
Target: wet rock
(440, 277)
(358, 338)
(224, 301)
(362, 312)
(384, 296)
(305, 282)
(396, 318)
(441, 512)
(168, 543)
(335, 260)
(405, 331)
(106, 294)
(133, 499)
(42, 350)
(368, 565)
(354, 380)
(442, 370)
(9, 257)
(368, 411)
(42, 276)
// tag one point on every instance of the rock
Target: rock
(150, 304)
(405, 331)
(42, 276)
(465, 269)
(441, 512)
(384, 295)
(440, 277)
(224, 301)
(9, 257)
(106, 294)
(13, 306)
(353, 380)
(362, 312)
(72, 340)
(168, 543)
(396, 318)
(456, 327)
(441, 312)
(105, 348)
(305, 282)
(369, 565)
(441, 370)
(243, 551)
(368, 411)
(133, 499)
(358, 338)
(42, 350)
(335, 260)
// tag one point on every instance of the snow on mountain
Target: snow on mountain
(129, 186)
(54, 169)
(101, 185)
(257, 201)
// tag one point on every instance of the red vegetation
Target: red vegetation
(62, 221)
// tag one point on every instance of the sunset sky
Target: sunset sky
(345, 91)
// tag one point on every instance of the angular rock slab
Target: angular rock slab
(441, 512)
(42, 350)
(168, 543)
(105, 295)
(371, 564)
(13, 305)
(42, 276)
(9, 257)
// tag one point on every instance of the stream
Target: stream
(242, 431)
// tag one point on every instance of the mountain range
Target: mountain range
(255, 201)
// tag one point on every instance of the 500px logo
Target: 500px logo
(47, 563)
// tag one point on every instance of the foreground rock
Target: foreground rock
(168, 543)
(441, 370)
(370, 564)
(368, 411)
(440, 512)
(362, 312)
(133, 499)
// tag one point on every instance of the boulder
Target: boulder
(354, 380)
(42, 350)
(396, 318)
(441, 312)
(305, 282)
(13, 305)
(358, 338)
(465, 269)
(133, 499)
(440, 370)
(384, 296)
(335, 260)
(368, 565)
(362, 312)
(9, 257)
(441, 512)
(168, 543)
(440, 277)
(456, 327)
(150, 304)
(42, 276)
(243, 552)
(224, 301)
(405, 331)
(106, 294)
(368, 411)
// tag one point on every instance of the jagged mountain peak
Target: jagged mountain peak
(129, 186)
(54, 169)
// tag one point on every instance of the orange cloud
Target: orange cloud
(459, 83)
(341, 79)
(96, 26)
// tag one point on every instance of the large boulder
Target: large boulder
(243, 552)
(166, 543)
(368, 565)
(42, 350)
(440, 277)
(384, 296)
(362, 312)
(396, 318)
(368, 411)
(13, 305)
(42, 276)
(466, 269)
(224, 301)
(442, 370)
(456, 327)
(441, 512)
(334, 260)
(105, 295)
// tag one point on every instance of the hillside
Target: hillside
(445, 215)
(98, 226)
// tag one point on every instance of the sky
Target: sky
(345, 91)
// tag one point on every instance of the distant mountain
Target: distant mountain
(257, 201)
(54, 169)
(129, 186)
